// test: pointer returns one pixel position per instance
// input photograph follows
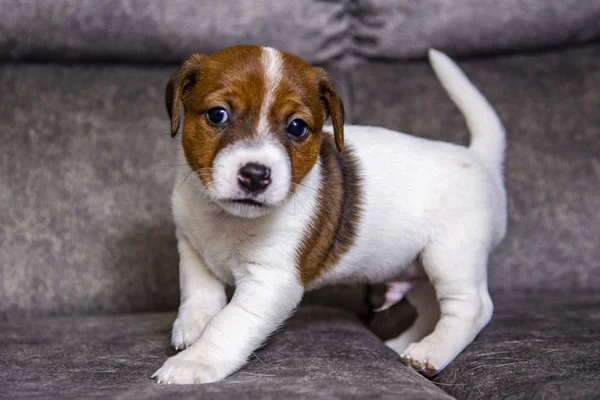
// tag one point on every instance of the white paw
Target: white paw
(426, 358)
(177, 370)
(191, 319)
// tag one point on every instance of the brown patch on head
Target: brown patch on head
(333, 228)
(297, 96)
(334, 108)
(233, 79)
(304, 92)
(241, 80)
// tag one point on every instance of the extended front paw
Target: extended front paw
(178, 370)
(191, 320)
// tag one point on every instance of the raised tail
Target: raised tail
(488, 138)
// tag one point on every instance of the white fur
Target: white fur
(226, 166)
(435, 201)
(202, 296)
(272, 64)
(488, 139)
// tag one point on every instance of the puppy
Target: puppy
(274, 204)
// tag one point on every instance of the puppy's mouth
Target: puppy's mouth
(248, 202)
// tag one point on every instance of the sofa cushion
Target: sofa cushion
(167, 30)
(321, 353)
(549, 103)
(538, 346)
(407, 29)
(170, 30)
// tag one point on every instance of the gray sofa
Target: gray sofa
(88, 262)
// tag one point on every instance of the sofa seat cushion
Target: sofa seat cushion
(537, 346)
(321, 353)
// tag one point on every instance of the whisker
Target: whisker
(185, 178)
(203, 170)
(306, 186)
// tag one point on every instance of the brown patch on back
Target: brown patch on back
(333, 228)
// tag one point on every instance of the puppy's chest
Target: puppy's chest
(224, 249)
(229, 247)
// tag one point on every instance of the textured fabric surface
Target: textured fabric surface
(550, 105)
(321, 353)
(167, 30)
(85, 184)
(86, 172)
(408, 28)
(542, 346)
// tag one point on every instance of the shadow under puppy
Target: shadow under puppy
(273, 204)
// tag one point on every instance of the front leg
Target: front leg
(202, 296)
(264, 298)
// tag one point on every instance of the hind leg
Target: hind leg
(458, 271)
(423, 298)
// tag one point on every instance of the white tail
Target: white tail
(488, 138)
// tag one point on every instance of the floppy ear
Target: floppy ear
(334, 108)
(178, 85)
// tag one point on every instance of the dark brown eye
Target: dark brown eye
(217, 115)
(297, 128)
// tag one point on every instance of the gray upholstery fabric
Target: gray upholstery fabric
(542, 346)
(550, 105)
(321, 353)
(85, 184)
(86, 173)
(407, 29)
(167, 30)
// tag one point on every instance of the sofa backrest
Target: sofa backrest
(167, 31)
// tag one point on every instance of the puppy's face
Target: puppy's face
(253, 123)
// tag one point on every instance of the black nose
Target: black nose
(254, 177)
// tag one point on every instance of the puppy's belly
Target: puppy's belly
(398, 286)
(380, 252)
(399, 264)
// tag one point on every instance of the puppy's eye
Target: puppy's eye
(297, 128)
(217, 115)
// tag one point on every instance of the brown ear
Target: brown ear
(178, 85)
(334, 108)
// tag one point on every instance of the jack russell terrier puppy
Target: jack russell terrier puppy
(273, 203)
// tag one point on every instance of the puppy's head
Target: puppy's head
(253, 123)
